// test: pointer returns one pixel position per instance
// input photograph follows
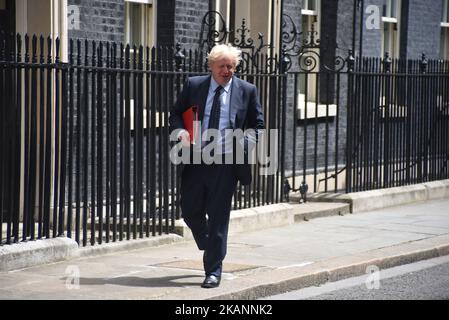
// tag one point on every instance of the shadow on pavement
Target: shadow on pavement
(169, 281)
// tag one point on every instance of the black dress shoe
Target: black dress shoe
(211, 281)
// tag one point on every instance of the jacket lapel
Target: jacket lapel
(202, 94)
(236, 101)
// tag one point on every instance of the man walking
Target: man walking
(224, 103)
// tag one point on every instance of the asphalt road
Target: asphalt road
(424, 280)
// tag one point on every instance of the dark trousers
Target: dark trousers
(208, 189)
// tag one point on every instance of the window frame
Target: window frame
(444, 45)
(388, 9)
(444, 38)
(228, 8)
(150, 6)
(307, 11)
(445, 13)
(315, 109)
(148, 33)
(317, 17)
(391, 24)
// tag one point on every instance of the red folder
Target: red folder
(190, 119)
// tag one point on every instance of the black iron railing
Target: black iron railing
(367, 123)
(33, 84)
(397, 123)
(93, 135)
(85, 143)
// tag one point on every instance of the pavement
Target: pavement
(315, 247)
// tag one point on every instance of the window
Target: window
(390, 9)
(390, 27)
(140, 29)
(309, 86)
(445, 12)
(224, 8)
(310, 19)
(259, 15)
(310, 5)
(140, 24)
(310, 16)
(444, 43)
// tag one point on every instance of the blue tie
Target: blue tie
(214, 119)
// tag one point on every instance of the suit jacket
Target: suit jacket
(246, 110)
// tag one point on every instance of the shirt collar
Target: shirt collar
(214, 85)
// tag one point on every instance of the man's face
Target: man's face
(222, 70)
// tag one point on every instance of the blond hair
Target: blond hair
(221, 51)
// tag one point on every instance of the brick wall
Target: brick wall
(100, 20)
(344, 26)
(188, 20)
(420, 31)
(372, 37)
(165, 23)
(180, 21)
(371, 40)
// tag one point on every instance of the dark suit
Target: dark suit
(209, 188)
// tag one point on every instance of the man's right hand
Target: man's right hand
(184, 137)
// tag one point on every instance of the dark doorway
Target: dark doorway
(7, 16)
